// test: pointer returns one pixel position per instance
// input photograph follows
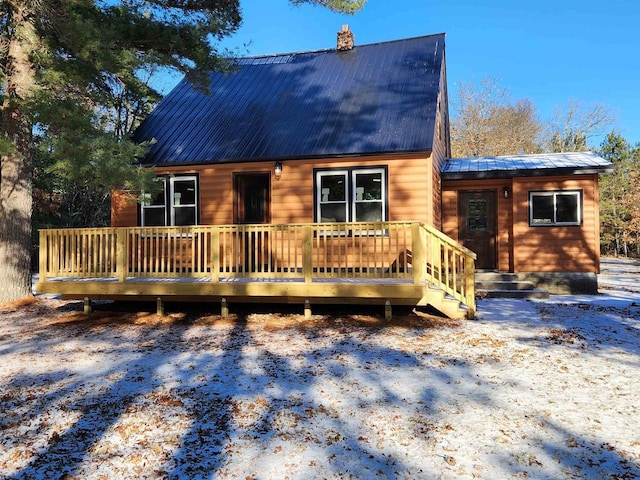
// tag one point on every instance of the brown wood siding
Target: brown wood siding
(522, 248)
(124, 209)
(292, 195)
(562, 248)
(441, 148)
(504, 241)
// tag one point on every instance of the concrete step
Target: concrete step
(496, 277)
(535, 293)
(504, 285)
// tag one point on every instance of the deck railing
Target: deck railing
(401, 250)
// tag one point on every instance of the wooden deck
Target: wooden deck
(403, 263)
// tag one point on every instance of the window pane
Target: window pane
(567, 208)
(185, 215)
(368, 211)
(477, 215)
(157, 199)
(153, 217)
(368, 186)
(184, 192)
(332, 188)
(542, 206)
(333, 212)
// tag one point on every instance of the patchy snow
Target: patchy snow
(532, 389)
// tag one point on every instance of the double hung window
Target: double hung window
(551, 208)
(354, 195)
(176, 204)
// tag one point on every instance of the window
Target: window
(153, 211)
(555, 208)
(355, 195)
(176, 204)
(332, 196)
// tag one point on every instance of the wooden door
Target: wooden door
(253, 206)
(252, 202)
(477, 225)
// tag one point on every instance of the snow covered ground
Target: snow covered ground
(544, 389)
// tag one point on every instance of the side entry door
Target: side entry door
(477, 226)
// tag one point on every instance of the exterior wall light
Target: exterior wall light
(506, 191)
(278, 170)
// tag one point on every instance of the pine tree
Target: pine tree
(66, 65)
(620, 196)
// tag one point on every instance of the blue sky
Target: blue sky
(547, 51)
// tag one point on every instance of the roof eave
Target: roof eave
(289, 158)
(538, 172)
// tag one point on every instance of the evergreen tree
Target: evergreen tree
(71, 72)
(620, 197)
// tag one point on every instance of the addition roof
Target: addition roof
(374, 99)
(511, 166)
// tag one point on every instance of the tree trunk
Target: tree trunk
(16, 169)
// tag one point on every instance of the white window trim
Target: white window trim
(144, 208)
(169, 199)
(319, 203)
(173, 206)
(383, 190)
(554, 194)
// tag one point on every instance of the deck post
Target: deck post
(307, 254)
(43, 256)
(418, 247)
(121, 254)
(387, 311)
(87, 306)
(470, 287)
(307, 310)
(224, 308)
(159, 307)
(215, 255)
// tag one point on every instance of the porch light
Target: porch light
(278, 170)
(506, 191)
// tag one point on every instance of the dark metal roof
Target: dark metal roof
(525, 165)
(377, 98)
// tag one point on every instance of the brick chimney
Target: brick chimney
(345, 39)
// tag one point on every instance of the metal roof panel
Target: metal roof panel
(525, 165)
(375, 98)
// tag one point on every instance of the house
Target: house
(532, 215)
(325, 177)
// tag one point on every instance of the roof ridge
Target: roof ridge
(333, 49)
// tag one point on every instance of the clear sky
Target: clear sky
(549, 51)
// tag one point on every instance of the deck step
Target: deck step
(444, 303)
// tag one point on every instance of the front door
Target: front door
(252, 198)
(253, 206)
(477, 225)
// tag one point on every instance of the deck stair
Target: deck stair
(506, 285)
